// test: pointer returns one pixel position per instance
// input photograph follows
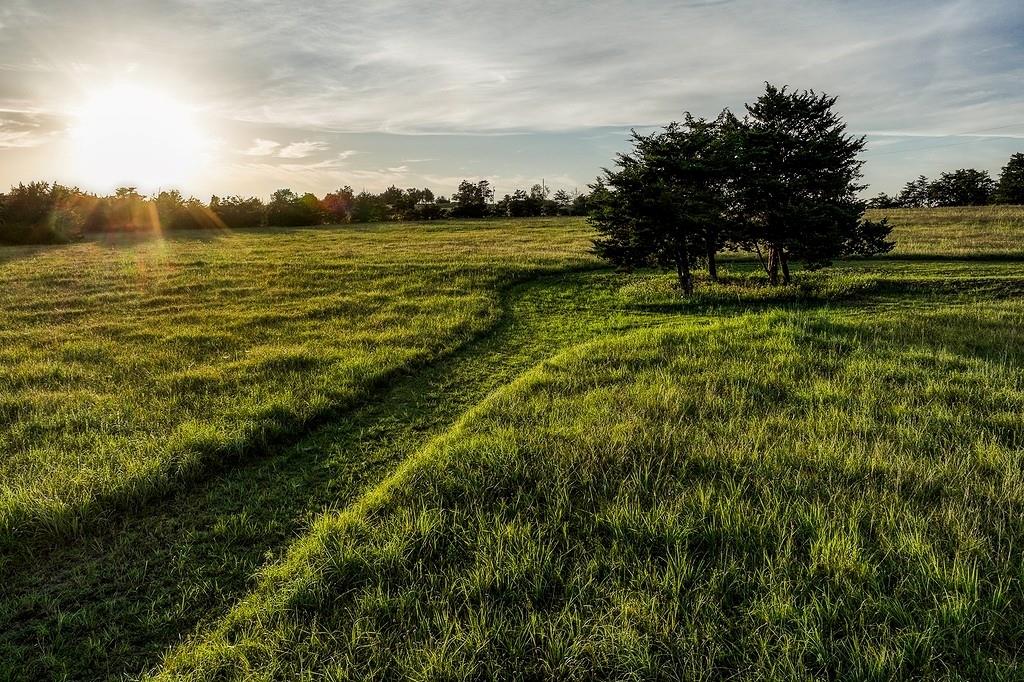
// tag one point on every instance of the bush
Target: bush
(287, 209)
(237, 212)
(41, 213)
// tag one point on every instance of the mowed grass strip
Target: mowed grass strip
(128, 365)
(786, 495)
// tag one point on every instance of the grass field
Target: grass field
(466, 451)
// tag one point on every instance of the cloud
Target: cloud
(300, 150)
(22, 129)
(261, 147)
(338, 74)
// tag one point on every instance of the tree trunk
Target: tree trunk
(683, 271)
(712, 265)
(773, 264)
(784, 259)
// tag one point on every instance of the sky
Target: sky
(241, 97)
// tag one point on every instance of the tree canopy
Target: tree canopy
(1010, 189)
(782, 182)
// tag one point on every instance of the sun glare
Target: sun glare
(134, 135)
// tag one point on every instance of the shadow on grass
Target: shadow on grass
(737, 295)
(111, 602)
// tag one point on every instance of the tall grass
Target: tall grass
(964, 232)
(779, 496)
(814, 481)
(129, 365)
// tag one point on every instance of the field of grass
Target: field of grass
(127, 366)
(966, 232)
(487, 457)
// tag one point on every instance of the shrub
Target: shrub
(41, 213)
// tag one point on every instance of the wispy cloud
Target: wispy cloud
(474, 89)
(261, 147)
(300, 150)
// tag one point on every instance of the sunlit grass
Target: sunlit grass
(969, 231)
(127, 365)
(812, 481)
(776, 496)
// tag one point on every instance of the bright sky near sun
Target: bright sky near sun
(232, 96)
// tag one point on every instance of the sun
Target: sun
(131, 134)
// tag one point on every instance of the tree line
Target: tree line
(964, 187)
(782, 182)
(43, 212)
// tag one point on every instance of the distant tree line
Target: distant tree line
(43, 212)
(964, 187)
(781, 182)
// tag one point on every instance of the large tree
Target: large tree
(965, 187)
(1010, 189)
(916, 193)
(797, 183)
(665, 203)
(471, 199)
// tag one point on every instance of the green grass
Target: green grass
(128, 366)
(648, 504)
(551, 471)
(967, 232)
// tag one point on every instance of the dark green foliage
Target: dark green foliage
(238, 212)
(521, 204)
(883, 200)
(666, 203)
(42, 213)
(472, 199)
(965, 187)
(177, 213)
(797, 182)
(1010, 189)
(367, 208)
(337, 206)
(287, 209)
(916, 193)
(783, 182)
(395, 203)
(869, 238)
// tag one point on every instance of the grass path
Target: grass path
(112, 602)
(646, 506)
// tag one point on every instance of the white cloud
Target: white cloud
(261, 147)
(318, 71)
(300, 150)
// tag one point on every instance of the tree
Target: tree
(965, 187)
(287, 209)
(883, 200)
(563, 202)
(237, 212)
(1010, 189)
(125, 211)
(177, 213)
(42, 213)
(471, 199)
(797, 183)
(916, 193)
(368, 208)
(337, 206)
(666, 203)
